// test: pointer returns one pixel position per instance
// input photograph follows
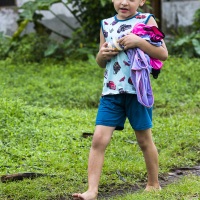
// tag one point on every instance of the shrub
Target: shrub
(187, 44)
(29, 48)
(85, 38)
(4, 45)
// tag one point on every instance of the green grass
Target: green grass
(185, 189)
(45, 108)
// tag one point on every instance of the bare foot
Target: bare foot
(85, 196)
(152, 189)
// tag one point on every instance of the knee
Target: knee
(146, 145)
(144, 139)
(143, 144)
(100, 141)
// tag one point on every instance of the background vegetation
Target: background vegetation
(85, 39)
(45, 109)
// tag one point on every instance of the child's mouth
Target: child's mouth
(123, 10)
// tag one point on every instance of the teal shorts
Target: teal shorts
(114, 109)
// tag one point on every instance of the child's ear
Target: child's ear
(142, 2)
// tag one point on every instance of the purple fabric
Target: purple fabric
(140, 76)
(141, 63)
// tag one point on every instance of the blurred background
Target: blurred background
(64, 24)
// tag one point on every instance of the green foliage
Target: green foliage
(85, 38)
(29, 48)
(187, 44)
(196, 24)
(90, 14)
(4, 45)
(185, 189)
(176, 93)
(29, 9)
(61, 82)
(20, 29)
(83, 42)
(81, 10)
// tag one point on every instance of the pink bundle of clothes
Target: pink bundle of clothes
(142, 64)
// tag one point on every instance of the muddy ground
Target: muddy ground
(112, 191)
(166, 179)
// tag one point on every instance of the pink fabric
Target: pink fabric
(155, 63)
(154, 34)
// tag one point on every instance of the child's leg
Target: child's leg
(101, 139)
(150, 153)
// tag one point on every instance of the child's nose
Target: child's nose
(124, 2)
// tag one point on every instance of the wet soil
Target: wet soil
(165, 179)
(114, 190)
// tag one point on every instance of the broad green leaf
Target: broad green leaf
(51, 50)
(196, 45)
(45, 4)
(103, 2)
(182, 41)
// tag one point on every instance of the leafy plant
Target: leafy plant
(196, 24)
(85, 38)
(29, 48)
(4, 45)
(187, 44)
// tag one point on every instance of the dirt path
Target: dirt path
(171, 177)
(113, 190)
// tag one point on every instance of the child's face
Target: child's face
(127, 8)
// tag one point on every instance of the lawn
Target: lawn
(45, 109)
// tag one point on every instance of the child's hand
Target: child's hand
(106, 52)
(129, 41)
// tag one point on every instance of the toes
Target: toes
(77, 196)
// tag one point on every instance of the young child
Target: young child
(119, 99)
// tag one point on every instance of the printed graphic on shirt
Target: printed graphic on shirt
(140, 17)
(121, 91)
(111, 85)
(123, 28)
(126, 63)
(114, 22)
(111, 30)
(130, 81)
(105, 33)
(106, 74)
(116, 68)
(122, 79)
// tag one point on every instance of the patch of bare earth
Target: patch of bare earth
(165, 179)
(110, 191)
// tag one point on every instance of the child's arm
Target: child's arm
(104, 53)
(131, 41)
